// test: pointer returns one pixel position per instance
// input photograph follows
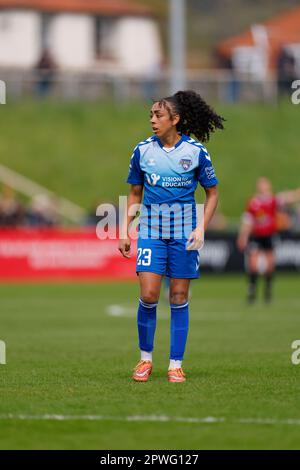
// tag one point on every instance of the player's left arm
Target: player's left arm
(211, 202)
(208, 180)
(210, 205)
(286, 198)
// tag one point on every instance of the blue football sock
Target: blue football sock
(146, 320)
(179, 330)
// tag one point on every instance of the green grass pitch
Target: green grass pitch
(71, 349)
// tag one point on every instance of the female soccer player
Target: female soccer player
(257, 231)
(168, 167)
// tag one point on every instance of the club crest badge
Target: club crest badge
(186, 163)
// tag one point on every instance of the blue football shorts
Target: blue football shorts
(168, 257)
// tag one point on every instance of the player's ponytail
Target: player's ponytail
(196, 116)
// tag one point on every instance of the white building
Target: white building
(80, 34)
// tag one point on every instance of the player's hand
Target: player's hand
(124, 247)
(195, 240)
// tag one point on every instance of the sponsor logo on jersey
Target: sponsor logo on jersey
(152, 179)
(186, 163)
(210, 172)
(176, 181)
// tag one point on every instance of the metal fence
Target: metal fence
(215, 85)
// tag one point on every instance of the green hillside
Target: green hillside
(82, 151)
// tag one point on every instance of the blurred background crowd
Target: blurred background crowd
(42, 211)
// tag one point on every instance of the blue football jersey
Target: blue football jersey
(170, 177)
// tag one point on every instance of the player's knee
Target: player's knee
(178, 297)
(149, 297)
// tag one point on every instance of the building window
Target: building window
(103, 38)
(5, 22)
(46, 20)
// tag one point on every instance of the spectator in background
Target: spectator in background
(234, 84)
(45, 69)
(231, 89)
(286, 72)
(12, 212)
(43, 212)
(92, 218)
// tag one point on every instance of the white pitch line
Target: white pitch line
(130, 312)
(150, 418)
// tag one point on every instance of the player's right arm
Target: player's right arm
(134, 200)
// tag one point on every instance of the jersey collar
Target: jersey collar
(183, 138)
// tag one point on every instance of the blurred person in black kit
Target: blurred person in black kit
(286, 72)
(12, 212)
(45, 70)
(92, 219)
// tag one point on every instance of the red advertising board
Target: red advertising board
(61, 254)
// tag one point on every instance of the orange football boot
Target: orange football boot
(176, 375)
(142, 371)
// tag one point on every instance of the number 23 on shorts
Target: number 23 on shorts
(144, 256)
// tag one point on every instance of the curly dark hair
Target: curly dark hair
(196, 116)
